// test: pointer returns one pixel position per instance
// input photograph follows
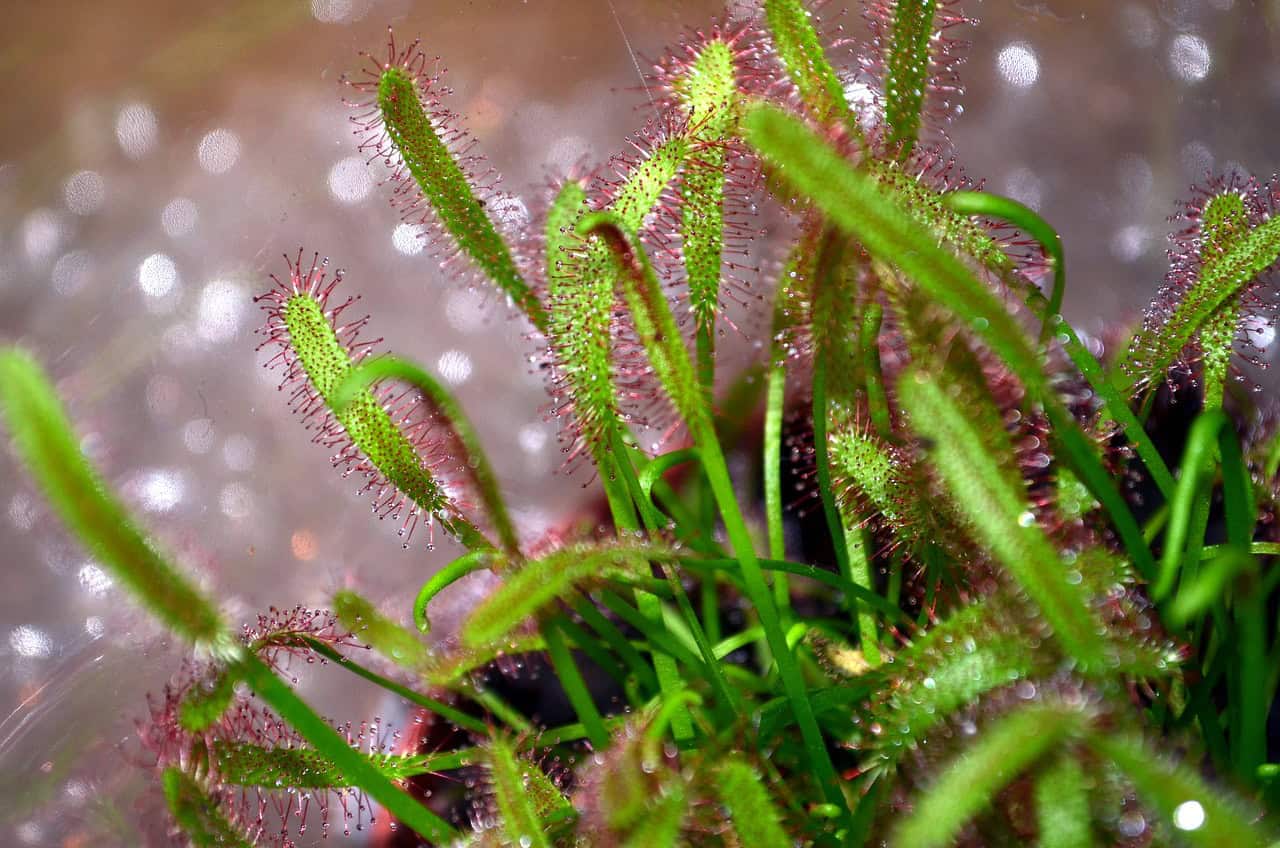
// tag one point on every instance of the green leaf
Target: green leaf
(1196, 813)
(744, 796)
(198, 814)
(662, 821)
(969, 784)
(1062, 804)
(999, 514)
(49, 448)
(539, 583)
(518, 814)
(245, 764)
(403, 106)
(365, 622)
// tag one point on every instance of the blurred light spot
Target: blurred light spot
(532, 438)
(1132, 824)
(22, 511)
(1018, 65)
(157, 275)
(197, 435)
(42, 232)
(331, 11)
(84, 192)
(235, 501)
(29, 641)
(1139, 25)
(1197, 159)
(220, 311)
(160, 489)
(93, 579)
(179, 217)
(350, 180)
(71, 272)
(464, 309)
(454, 366)
(136, 129)
(1189, 58)
(1025, 186)
(238, 452)
(303, 545)
(1135, 177)
(218, 151)
(408, 239)
(1189, 815)
(509, 212)
(1130, 243)
(94, 626)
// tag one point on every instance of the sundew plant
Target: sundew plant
(969, 590)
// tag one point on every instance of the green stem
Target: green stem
(445, 577)
(575, 688)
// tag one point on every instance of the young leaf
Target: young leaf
(754, 817)
(968, 785)
(398, 455)
(388, 638)
(1219, 282)
(539, 583)
(997, 510)
(662, 821)
(49, 448)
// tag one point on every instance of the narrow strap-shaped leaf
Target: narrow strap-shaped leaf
(1000, 753)
(445, 186)
(49, 448)
(907, 65)
(198, 814)
(1062, 804)
(888, 232)
(1000, 516)
(477, 462)
(1199, 814)
(800, 49)
(575, 688)
(751, 811)
(539, 583)
(518, 816)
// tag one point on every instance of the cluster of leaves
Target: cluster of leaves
(989, 646)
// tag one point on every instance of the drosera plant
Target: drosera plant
(1020, 609)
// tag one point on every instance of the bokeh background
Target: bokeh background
(157, 158)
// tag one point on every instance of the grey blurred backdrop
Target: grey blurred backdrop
(156, 158)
